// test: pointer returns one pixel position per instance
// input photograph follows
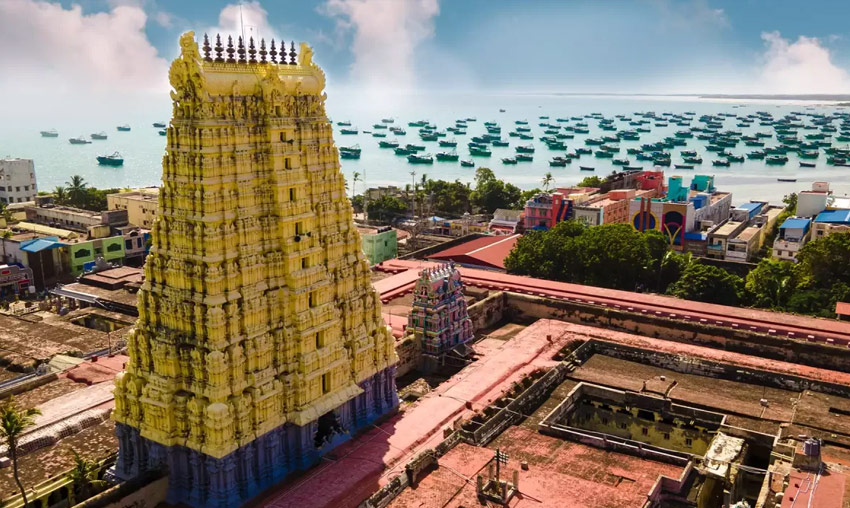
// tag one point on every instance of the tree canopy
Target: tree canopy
(386, 208)
(491, 193)
(707, 283)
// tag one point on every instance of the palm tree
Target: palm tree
(84, 476)
(354, 181)
(76, 190)
(13, 422)
(6, 235)
(60, 195)
(548, 179)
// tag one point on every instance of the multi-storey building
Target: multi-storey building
(140, 205)
(260, 343)
(793, 234)
(17, 180)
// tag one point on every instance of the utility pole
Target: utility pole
(413, 189)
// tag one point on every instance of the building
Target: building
(17, 180)
(438, 319)
(259, 345)
(75, 219)
(684, 210)
(488, 252)
(793, 234)
(380, 244)
(719, 237)
(609, 208)
(545, 210)
(814, 201)
(830, 221)
(745, 245)
(140, 205)
(506, 222)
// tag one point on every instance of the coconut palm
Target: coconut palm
(77, 190)
(84, 476)
(13, 422)
(60, 195)
(548, 179)
(354, 180)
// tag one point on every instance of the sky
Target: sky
(65, 54)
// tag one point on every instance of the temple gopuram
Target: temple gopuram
(439, 319)
(260, 343)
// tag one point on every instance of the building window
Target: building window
(299, 228)
(292, 194)
(326, 384)
(311, 299)
(644, 431)
(17, 189)
(128, 244)
(667, 436)
(287, 163)
(689, 441)
(604, 421)
(622, 425)
(304, 262)
(320, 342)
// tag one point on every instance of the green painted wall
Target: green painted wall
(380, 246)
(111, 249)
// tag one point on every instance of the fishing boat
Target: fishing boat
(448, 156)
(415, 148)
(786, 179)
(480, 151)
(735, 158)
(99, 135)
(604, 154)
(348, 131)
(388, 144)
(524, 157)
(159, 125)
(499, 142)
(379, 126)
(163, 132)
(344, 124)
(807, 164)
(111, 160)
(387, 120)
(620, 162)
(501, 110)
(583, 151)
(467, 163)
(683, 166)
(508, 160)
(50, 134)
(403, 151)
(720, 162)
(420, 159)
(586, 168)
(428, 137)
(692, 160)
(349, 152)
(398, 131)
(776, 159)
(379, 134)
(525, 149)
(448, 142)
(125, 128)
(559, 162)
(79, 140)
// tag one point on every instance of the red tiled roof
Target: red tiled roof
(489, 251)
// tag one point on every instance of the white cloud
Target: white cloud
(252, 20)
(386, 36)
(48, 48)
(801, 67)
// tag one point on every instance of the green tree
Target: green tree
(448, 198)
(85, 477)
(771, 284)
(77, 190)
(13, 422)
(590, 181)
(790, 201)
(60, 196)
(527, 195)
(386, 208)
(491, 193)
(354, 179)
(548, 180)
(825, 261)
(707, 283)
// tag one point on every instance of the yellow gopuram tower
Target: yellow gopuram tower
(260, 343)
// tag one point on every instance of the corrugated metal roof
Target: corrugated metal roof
(834, 216)
(41, 244)
(795, 222)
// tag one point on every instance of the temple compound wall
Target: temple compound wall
(260, 343)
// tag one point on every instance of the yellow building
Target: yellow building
(260, 343)
(140, 205)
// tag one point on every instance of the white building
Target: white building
(17, 180)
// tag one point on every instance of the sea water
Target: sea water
(56, 159)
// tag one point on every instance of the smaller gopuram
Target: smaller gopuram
(439, 319)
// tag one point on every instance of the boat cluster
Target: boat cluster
(114, 159)
(803, 133)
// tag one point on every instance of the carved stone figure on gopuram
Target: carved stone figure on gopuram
(244, 366)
